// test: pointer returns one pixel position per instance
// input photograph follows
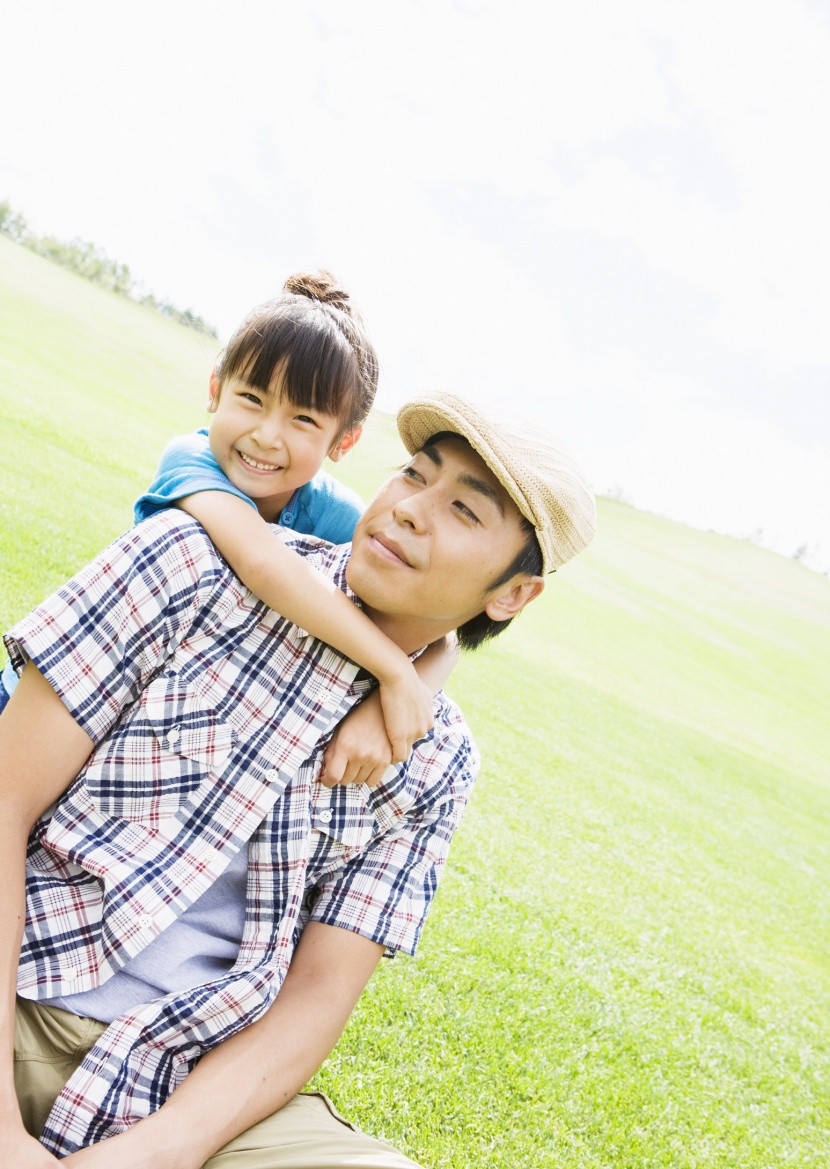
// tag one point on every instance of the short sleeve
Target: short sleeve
(326, 508)
(385, 893)
(103, 635)
(187, 465)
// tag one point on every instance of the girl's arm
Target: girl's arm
(294, 589)
(359, 751)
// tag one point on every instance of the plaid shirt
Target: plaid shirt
(208, 711)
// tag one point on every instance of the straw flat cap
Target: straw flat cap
(544, 480)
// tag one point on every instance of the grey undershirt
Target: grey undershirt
(199, 946)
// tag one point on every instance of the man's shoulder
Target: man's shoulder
(172, 521)
(173, 538)
(173, 535)
(444, 764)
(451, 725)
(330, 559)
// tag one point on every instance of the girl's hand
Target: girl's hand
(359, 751)
(20, 1150)
(127, 1150)
(407, 711)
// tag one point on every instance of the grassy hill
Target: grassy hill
(628, 963)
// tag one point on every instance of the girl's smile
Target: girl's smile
(268, 468)
(267, 445)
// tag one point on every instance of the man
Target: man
(201, 913)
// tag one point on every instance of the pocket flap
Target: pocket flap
(342, 813)
(183, 724)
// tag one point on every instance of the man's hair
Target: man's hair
(527, 560)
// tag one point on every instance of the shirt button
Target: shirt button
(325, 817)
(71, 975)
(272, 774)
(287, 517)
(173, 736)
(145, 921)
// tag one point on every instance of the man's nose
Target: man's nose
(414, 512)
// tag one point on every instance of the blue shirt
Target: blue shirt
(324, 507)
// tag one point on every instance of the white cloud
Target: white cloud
(615, 214)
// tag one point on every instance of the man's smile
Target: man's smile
(388, 549)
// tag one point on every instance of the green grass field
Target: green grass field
(628, 963)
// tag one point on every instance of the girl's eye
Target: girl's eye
(306, 418)
(257, 401)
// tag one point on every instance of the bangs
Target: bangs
(309, 350)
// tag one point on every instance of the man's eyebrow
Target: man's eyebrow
(483, 488)
(466, 479)
(433, 454)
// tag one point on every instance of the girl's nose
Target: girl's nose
(268, 433)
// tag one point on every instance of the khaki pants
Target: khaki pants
(308, 1133)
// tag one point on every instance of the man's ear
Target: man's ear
(345, 443)
(510, 599)
(213, 393)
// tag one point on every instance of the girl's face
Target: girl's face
(267, 446)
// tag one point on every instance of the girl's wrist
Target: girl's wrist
(147, 1143)
(399, 672)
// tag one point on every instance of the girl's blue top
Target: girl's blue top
(324, 507)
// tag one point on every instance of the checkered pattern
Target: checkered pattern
(210, 713)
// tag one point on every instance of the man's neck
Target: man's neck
(408, 633)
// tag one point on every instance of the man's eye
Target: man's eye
(465, 511)
(411, 473)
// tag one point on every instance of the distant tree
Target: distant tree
(12, 223)
(93, 264)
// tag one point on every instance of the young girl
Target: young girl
(294, 385)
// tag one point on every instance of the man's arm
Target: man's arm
(257, 1071)
(42, 749)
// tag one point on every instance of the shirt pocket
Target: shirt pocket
(159, 755)
(344, 817)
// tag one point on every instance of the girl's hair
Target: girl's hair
(315, 337)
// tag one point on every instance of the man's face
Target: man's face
(433, 540)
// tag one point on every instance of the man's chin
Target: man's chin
(370, 583)
(359, 577)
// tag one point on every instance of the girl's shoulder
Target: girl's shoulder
(187, 465)
(187, 448)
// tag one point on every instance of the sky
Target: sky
(614, 216)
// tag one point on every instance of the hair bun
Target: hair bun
(320, 285)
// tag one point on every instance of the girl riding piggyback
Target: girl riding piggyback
(294, 385)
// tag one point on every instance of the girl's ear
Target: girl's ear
(510, 599)
(213, 393)
(345, 443)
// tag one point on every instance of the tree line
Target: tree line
(93, 264)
